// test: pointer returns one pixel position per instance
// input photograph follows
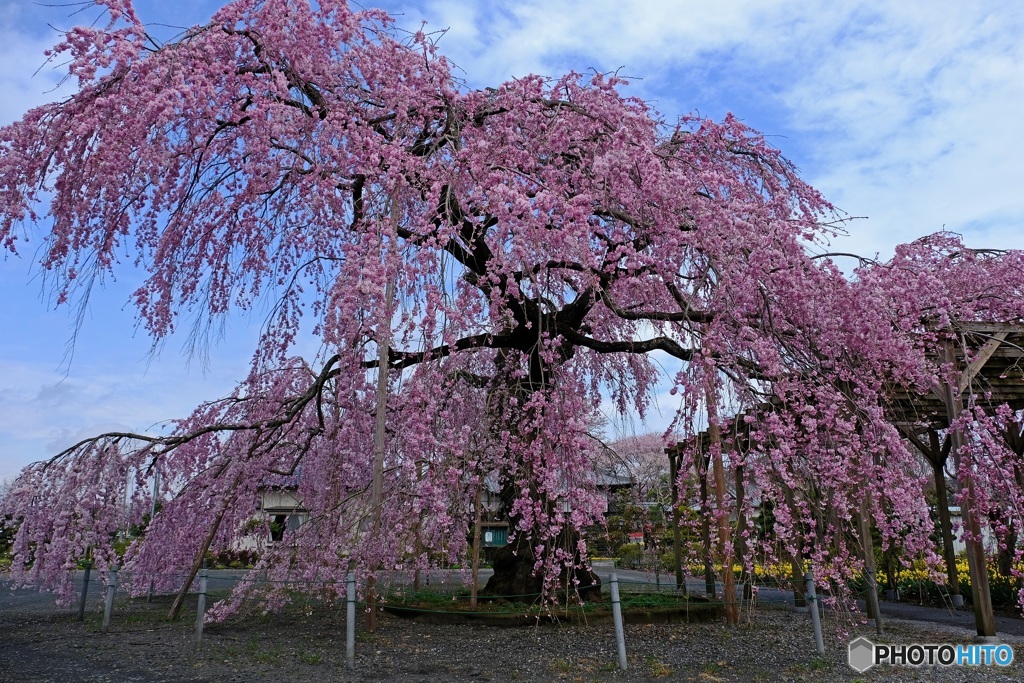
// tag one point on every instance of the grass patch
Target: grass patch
(269, 656)
(657, 668)
(261, 652)
(561, 665)
(637, 608)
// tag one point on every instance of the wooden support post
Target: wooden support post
(721, 510)
(870, 577)
(380, 423)
(677, 543)
(700, 464)
(477, 523)
(984, 618)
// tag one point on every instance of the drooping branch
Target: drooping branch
(160, 446)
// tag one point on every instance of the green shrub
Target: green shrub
(630, 555)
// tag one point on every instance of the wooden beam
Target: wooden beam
(984, 353)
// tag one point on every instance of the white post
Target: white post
(812, 603)
(620, 637)
(350, 623)
(201, 608)
(109, 606)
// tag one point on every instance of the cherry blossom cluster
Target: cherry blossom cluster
(517, 255)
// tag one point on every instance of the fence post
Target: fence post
(812, 603)
(201, 608)
(85, 590)
(620, 638)
(111, 589)
(350, 622)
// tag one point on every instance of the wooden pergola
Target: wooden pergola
(989, 366)
(990, 362)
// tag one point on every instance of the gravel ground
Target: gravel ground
(306, 643)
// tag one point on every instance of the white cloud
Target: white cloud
(496, 41)
(916, 113)
(26, 80)
(43, 411)
(904, 112)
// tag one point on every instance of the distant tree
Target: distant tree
(642, 459)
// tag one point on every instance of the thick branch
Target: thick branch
(398, 360)
(669, 346)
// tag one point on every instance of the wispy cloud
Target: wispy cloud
(43, 411)
(903, 112)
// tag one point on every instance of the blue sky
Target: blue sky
(908, 113)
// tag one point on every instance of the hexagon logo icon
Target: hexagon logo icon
(861, 654)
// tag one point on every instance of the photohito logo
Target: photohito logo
(863, 654)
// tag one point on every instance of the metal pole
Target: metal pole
(812, 603)
(620, 637)
(350, 622)
(201, 608)
(109, 606)
(85, 590)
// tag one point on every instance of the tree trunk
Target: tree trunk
(379, 431)
(937, 454)
(515, 581)
(799, 590)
